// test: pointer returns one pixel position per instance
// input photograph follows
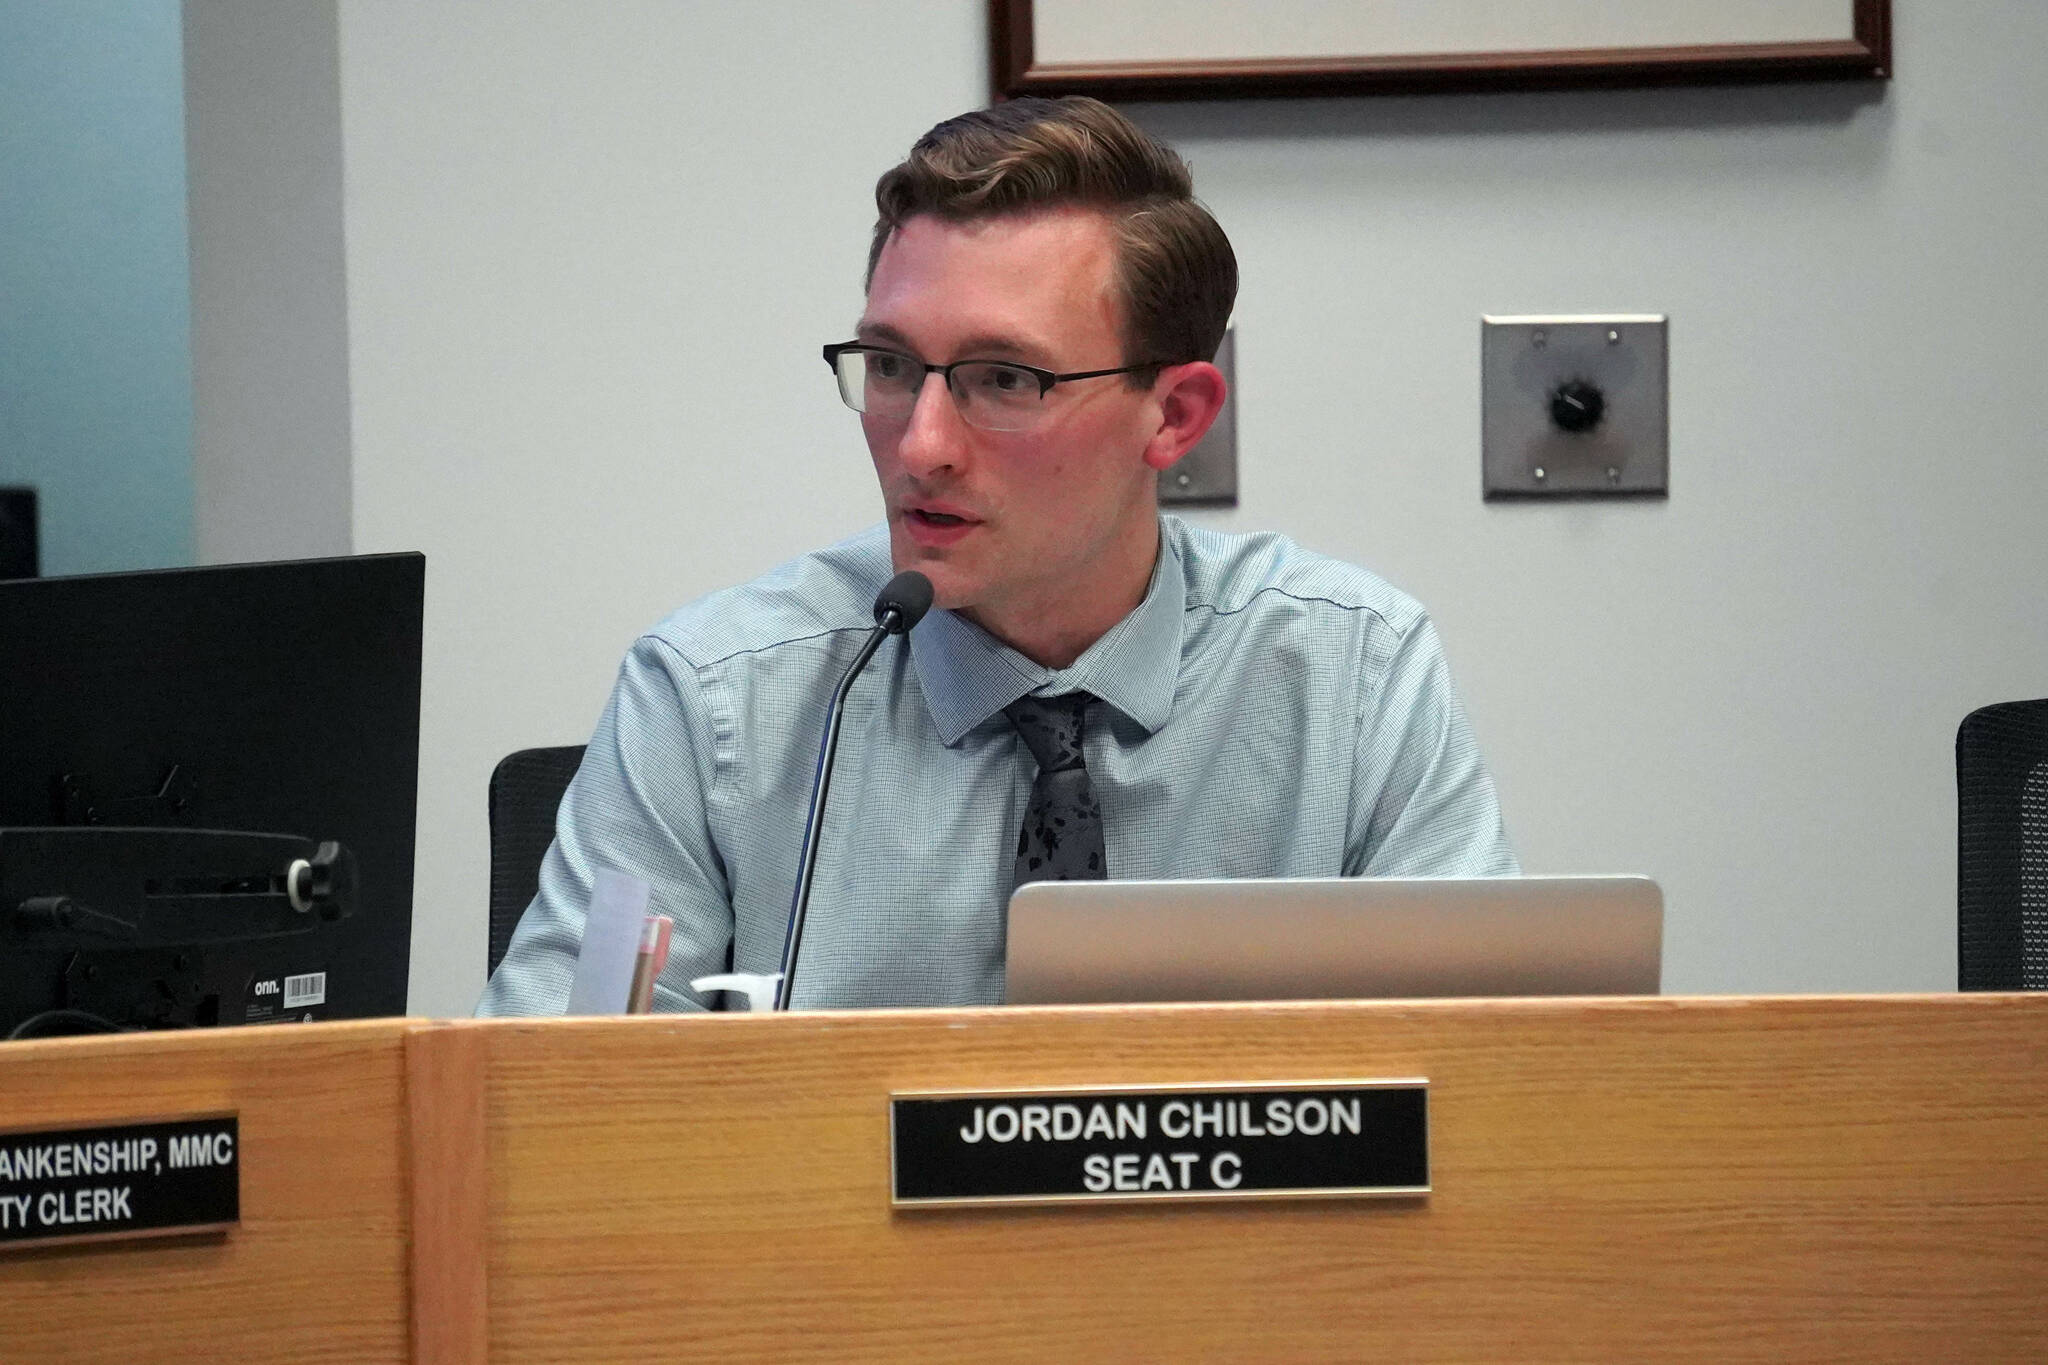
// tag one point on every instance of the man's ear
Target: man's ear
(1189, 398)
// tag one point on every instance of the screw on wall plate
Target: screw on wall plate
(1613, 475)
(1614, 338)
(1538, 338)
(1183, 480)
(1539, 472)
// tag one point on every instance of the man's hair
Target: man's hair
(1174, 267)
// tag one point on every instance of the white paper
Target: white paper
(611, 941)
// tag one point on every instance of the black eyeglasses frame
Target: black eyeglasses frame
(1046, 378)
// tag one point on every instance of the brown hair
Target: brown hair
(1175, 268)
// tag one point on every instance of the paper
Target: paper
(611, 944)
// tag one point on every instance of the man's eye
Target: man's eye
(883, 366)
(1003, 381)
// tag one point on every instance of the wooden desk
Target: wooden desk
(1806, 1178)
(317, 1270)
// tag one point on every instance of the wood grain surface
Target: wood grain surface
(1808, 1179)
(316, 1271)
(444, 1073)
(1811, 1179)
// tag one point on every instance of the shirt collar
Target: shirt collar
(967, 675)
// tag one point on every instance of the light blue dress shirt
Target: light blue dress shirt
(1266, 712)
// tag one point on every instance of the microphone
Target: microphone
(900, 605)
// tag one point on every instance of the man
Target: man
(1098, 690)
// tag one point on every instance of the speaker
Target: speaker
(19, 557)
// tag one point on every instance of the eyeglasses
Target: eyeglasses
(995, 395)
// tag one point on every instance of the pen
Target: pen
(653, 956)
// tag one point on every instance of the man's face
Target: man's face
(1014, 528)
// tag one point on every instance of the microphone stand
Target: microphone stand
(901, 605)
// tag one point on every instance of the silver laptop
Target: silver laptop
(1334, 939)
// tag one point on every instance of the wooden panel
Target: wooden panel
(1725, 1180)
(445, 1101)
(317, 1269)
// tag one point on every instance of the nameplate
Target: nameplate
(1342, 1139)
(127, 1180)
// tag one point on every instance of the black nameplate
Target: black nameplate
(1349, 1138)
(127, 1180)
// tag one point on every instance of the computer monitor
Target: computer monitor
(20, 556)
(207, 787)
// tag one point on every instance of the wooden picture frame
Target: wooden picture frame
(1016, 39)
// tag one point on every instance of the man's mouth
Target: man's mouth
(935, 528)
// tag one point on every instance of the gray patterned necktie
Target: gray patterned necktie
(1061, 840)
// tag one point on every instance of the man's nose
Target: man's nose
(935, 438)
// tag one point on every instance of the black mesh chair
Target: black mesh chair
(2002, 867)
(526, 790)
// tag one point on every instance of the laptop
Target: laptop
(1334, 939)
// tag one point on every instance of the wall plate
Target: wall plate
(1574, 406)
(1207, 475)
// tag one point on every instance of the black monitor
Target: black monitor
(20, 556)
(207, 788)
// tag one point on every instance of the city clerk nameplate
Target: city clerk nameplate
(125, 1180)
(1139, 1143)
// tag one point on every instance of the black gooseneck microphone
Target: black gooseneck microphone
(900, 605)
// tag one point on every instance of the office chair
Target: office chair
(2002, 863)
(526, 790)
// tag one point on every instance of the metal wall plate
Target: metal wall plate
(1574, 406)
(1207, 475)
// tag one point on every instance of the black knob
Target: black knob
(46, 912)
(1576, 405)
(326, 882)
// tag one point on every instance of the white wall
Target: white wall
(591, 251)
(270, 419)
